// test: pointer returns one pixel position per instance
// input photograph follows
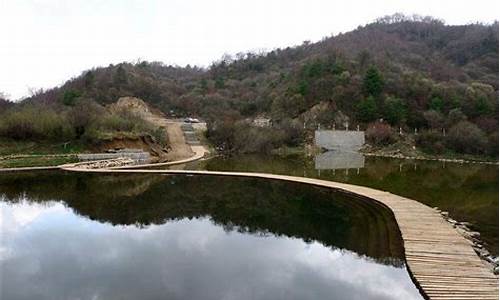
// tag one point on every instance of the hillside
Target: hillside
(412, 72)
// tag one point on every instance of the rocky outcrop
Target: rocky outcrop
(131, 104)
(104, 164)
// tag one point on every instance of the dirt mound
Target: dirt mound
(132, 104)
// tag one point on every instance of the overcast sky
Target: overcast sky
(45, 42)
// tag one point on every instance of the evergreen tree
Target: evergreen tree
(219, 82)
(88, 79)
(367, 109)
(437, 104)
(394, 110)
(120, 75)
(70, 97)
(373, 83)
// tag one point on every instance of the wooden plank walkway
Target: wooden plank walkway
(441, 262)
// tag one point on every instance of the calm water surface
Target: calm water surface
(468, 191)
(82, 236)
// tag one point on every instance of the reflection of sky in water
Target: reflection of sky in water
(48, 252)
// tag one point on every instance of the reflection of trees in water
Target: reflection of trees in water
(468, 191)
(237, 204)
(42, 186)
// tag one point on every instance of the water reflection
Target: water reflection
(254, 206)
(78, 236)
(333, 160)
(468, 191)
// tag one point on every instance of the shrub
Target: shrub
(431, 141)
(493, 144)
(456, 115)
(33, 122)
(84, 120)
(4, 103)
(242, 137)
(434, 119)
(257, 139)
(160, 136)
(466, 137)
(113, 122)
(83, 115)
(124, 121)
(379, 133)
(487, 124)
(17, 125)
(292, 132)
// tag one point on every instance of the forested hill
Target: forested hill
(413, 72)
(420, 60)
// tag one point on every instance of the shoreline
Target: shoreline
(452, 160)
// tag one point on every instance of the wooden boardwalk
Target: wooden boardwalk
(441, 262)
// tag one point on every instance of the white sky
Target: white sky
(44, 43)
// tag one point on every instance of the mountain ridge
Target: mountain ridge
(410, 71)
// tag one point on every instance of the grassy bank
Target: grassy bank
(403, 150)
(37, 161)
(16, 147)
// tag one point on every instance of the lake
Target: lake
(130, 236)
(469, 192)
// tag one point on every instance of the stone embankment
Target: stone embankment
(451, 160)
(463, 228)
(127, 162)
(103, 164)
(199, 153)
(135, 154)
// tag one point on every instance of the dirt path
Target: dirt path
(179, 149)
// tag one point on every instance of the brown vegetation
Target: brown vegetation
(85, 121)
(412, 72)
(379, 133)
(243, 137)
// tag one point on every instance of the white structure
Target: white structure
(262, 122)
(339, 139)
